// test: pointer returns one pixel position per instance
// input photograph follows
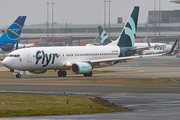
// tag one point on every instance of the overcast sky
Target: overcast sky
(76, 11)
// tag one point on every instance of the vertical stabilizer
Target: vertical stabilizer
(12, 34)
(127, 38)
(104, 38)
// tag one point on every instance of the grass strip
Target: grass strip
(34, 105)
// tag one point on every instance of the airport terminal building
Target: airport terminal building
(166, 30)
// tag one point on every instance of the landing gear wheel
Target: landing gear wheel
(64, 73)
(85, 74)
(60, 73)
(18, 75)
(90, 74)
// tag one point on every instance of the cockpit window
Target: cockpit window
(17, 55)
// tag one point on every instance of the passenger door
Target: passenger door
(29, 57)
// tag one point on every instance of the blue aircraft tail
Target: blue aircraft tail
(127, 38)
(12, 34)
(104, 39)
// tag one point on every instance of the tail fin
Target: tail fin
(127, 38)
(104, 39)
(12, 34)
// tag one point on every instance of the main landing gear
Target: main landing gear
(88, 74)
(18, 75)
(62, 73)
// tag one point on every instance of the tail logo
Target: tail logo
(103, 37)
(131, 32)
(14, 31)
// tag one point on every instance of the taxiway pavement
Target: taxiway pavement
(148, 101)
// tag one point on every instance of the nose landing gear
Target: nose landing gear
(18, 75)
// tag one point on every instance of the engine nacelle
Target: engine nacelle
(81, 67)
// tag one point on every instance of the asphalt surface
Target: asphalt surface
(89, 87)
(148, 101)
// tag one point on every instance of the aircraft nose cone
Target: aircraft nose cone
(6, 62)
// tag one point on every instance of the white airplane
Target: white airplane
(10, 38)
(156, 50)
(78, 59)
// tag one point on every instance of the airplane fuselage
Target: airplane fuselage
(54, 58)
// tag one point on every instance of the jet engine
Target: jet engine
(81, 68)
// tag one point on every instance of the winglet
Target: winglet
(172, 49)
(149, 45)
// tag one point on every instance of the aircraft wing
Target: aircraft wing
(121, 59)
(70, 63)
(131, 57)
